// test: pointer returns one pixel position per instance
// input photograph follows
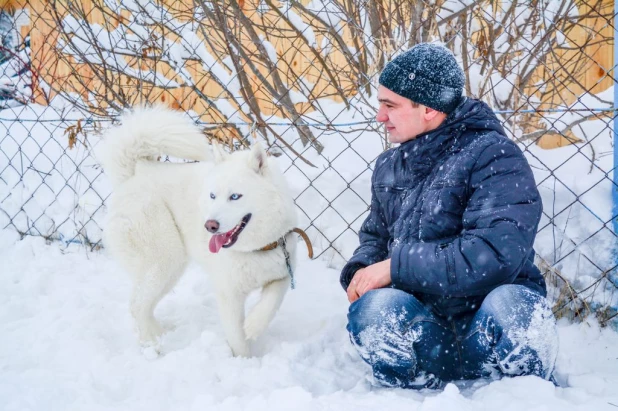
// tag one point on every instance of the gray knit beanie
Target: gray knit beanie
(427, 74)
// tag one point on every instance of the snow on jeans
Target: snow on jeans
(512, 333)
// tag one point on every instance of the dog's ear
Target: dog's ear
(257, 159)
(218, 154)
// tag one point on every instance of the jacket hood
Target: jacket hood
(474, 115)
(470, 118)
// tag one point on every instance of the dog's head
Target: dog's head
(245, 201)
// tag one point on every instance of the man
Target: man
(443, 285)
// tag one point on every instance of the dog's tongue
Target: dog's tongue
(217, 241)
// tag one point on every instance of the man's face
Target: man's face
(403, 121)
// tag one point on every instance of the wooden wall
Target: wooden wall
(66, 74)
(590, 63)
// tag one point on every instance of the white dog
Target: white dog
(221, 212)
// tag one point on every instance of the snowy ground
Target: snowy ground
(67, 343)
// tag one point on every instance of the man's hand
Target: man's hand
(375, 276)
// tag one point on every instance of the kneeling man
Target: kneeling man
(443, 285)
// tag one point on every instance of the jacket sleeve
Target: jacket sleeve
(499, 226)
(373, 246)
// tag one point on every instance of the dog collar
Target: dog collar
(298, 231)
(282, 243)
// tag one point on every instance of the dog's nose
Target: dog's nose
(212, 225)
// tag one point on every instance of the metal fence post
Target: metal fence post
(613, 274)
(615, 173)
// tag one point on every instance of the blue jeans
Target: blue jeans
(512, 333)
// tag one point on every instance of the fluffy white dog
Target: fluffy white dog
(230, 213)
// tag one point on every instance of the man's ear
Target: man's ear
(219, 155)
(431, 114)
(257, 159)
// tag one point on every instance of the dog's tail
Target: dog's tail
(147, 133)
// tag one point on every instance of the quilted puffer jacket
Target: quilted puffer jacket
(456, 210)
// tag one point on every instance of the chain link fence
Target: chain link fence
(302, 77)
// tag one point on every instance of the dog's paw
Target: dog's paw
(255, 324)
(151, 349)
(151, 352)
(150, 335)
(150, 332)
(240, 350)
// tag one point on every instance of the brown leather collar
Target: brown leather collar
(298, 231)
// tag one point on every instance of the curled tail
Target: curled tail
(147, 133)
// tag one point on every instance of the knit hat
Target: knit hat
(427, 74)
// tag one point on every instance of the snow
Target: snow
(47, 188)
(329, 12)
(68, 344)
(67, 335)
(299, 24)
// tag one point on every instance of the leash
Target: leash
(282, 243)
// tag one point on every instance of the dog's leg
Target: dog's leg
(232, 311)
(148, 289)
(263, 312)
(143, 236)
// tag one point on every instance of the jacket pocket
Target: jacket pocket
(450, 264)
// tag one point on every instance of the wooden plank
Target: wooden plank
(294, 58)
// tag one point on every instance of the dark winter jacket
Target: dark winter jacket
(456, 210)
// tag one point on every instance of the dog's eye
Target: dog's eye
(235, 196)
(212, 195)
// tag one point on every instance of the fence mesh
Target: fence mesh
(302, 76)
